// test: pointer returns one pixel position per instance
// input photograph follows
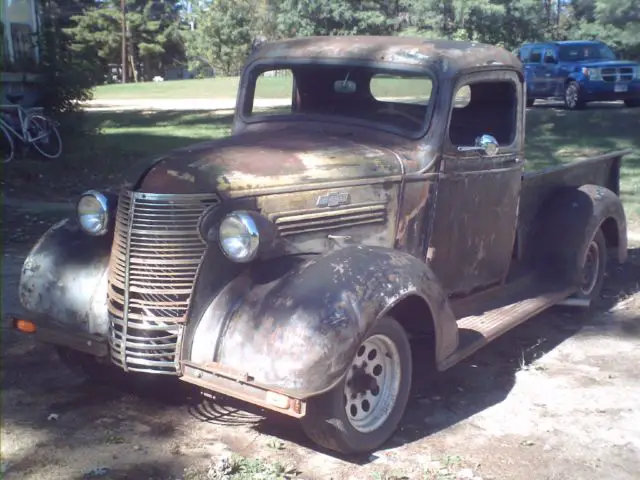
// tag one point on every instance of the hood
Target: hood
(255, 161)
(594, 63)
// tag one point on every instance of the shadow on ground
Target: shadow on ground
(444, 399)
(163, 405)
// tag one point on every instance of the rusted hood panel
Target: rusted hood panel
(256, 161)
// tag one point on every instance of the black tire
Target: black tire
(632, 102)
(327, 422)
(573, 97)
(7, 147)
(593, 266)
(530, 102)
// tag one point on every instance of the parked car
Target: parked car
(325, 256)
(579, 72)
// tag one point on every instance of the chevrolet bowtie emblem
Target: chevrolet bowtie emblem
(334, 199)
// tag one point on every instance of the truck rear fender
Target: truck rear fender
(296, 330)
(568, 220)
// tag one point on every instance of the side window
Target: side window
(550, 56)
(524, 54)
(490, 107)
(273, 84)
(536, 55)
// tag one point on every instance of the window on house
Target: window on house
(19, 22)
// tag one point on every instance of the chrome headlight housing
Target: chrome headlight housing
(93, 213)
(592, 73)
(239, 237)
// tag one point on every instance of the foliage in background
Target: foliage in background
(223, 35)
(154, 37)
(81, 39)
(68, 76)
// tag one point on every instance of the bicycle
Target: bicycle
(31, 127)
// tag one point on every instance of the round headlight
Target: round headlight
(93, 213)
(239, 237)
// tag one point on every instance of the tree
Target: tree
(153, 34)
(304, 18)
(223, 35)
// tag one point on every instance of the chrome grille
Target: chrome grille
(155, 255)
(622, 74)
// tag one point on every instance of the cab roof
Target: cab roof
(446, 55)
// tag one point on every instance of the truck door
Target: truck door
(550, 72)
(478, 193)
(535, 72)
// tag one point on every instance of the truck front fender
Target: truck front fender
(569, 219)
(297, 330)
(63, 284)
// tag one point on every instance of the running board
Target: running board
(477, 330)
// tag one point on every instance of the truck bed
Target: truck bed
(537, 186)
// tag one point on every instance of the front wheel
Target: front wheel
(364, 409)
(573, 97)
(44, 136)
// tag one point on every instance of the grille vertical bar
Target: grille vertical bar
(155, 255)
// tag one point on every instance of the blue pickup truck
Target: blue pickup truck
(578, 72)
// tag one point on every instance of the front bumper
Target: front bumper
(92, 344)
(212, 378)
(611, 91)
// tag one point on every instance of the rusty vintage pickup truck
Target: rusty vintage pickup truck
(301, 263)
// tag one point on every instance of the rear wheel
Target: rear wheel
(364, 409)
(632, 102)
(594, 264)
(44, 136)
(530, 102)
(7, 147)
(573, 97)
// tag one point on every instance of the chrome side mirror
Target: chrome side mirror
(486, 143)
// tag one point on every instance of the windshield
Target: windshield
(577, 52)
(397, 101)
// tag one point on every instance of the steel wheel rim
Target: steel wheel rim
(591, 268)
(372, 385)
(571, 95)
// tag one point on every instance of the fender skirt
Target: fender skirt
(63, 285)
(296, 328)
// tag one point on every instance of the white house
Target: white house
(20, 50)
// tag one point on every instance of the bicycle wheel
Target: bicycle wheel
(44, 135)
(7, 147)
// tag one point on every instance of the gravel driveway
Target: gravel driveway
(556, 398)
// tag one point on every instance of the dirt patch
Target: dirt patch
(556, 398)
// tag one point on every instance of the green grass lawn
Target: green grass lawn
(554, 136)
(221, 87)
